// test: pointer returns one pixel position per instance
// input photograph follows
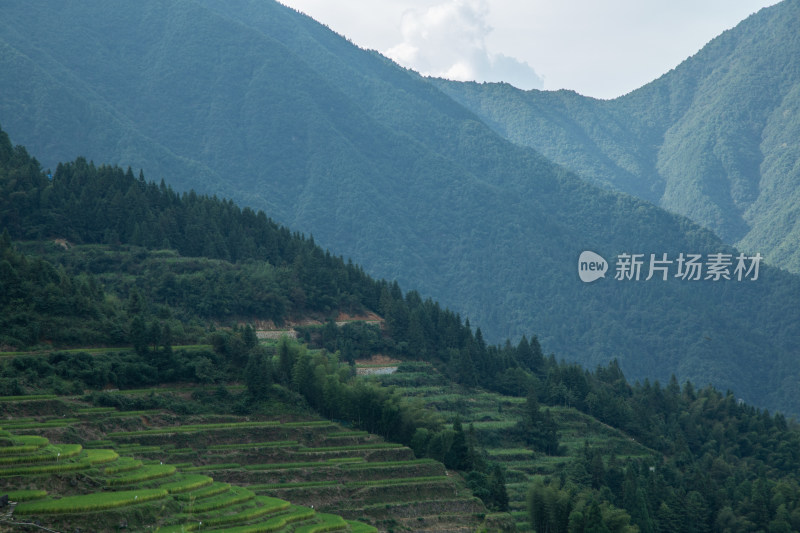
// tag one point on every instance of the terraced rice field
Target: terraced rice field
(228, 473)
(156, 494)
(493, 415)
(354, 474)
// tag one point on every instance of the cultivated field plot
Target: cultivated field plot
(493, 417)
(230, 473)
(66, 487)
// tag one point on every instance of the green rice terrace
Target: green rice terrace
(68, 465)
(490, 417)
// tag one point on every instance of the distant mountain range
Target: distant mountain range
(410, 177)
(715, 139)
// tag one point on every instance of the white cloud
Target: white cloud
(448, 40)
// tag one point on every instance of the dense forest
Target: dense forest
(245, 264)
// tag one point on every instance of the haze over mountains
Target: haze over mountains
(253, 101)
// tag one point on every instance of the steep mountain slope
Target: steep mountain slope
(269, 107)
(714, 139)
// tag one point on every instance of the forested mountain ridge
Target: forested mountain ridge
(713, 139)
(277, 112)
(145, 268)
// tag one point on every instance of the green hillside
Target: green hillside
(713, 139)
(258, 103)
(136, 392)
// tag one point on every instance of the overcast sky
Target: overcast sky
(599, 48)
